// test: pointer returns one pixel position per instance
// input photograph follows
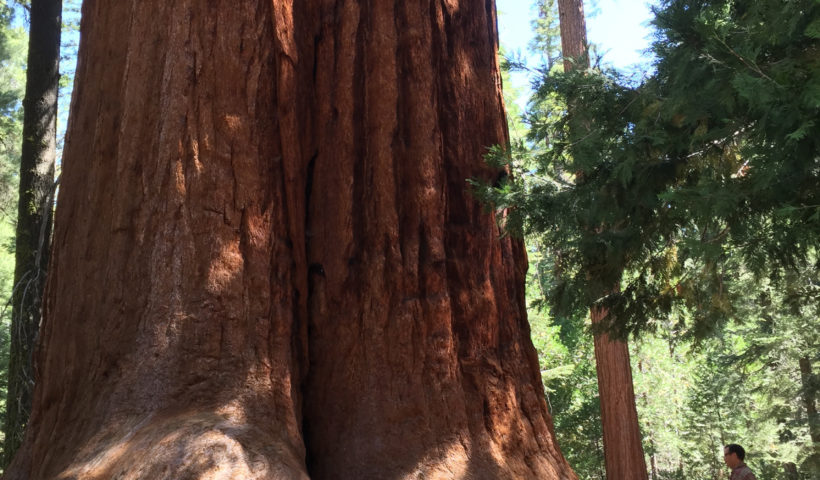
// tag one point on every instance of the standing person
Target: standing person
(733, 455)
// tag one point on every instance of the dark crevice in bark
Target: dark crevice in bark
(317, 39)
(361, 179)
(309, 176)
(492, 24)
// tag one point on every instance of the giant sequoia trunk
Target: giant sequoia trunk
(623, 450)
(266, 263)
(34, 212)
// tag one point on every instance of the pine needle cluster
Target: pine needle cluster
(708, 167)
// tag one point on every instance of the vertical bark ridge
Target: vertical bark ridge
(496, 342)
(421, 352)
(623, 449)
(573, 33)
(188, 361)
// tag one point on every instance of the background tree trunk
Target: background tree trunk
(267, 263)
(623, 451)
(573, 25)
(808, 380)
(34, 212)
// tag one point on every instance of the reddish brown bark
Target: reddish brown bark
(623, 450)
(573, 25)
(267, 264)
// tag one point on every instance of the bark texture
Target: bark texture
(34, 212)
(267, 264)
(623, 449)
(573, 25)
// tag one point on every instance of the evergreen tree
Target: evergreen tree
(567, 358)
(623, 451)
(699, 186)
(34, 211)
(12, 82)
(547, 40)
(713, 157)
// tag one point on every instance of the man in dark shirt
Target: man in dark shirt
(734, 455)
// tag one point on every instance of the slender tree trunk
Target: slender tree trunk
(601, 469)
(812, 464)
(809, 401)
(623, 451)
(267, 264)
(573, 25)
(790, 471)
(653, 468)
(34, 212)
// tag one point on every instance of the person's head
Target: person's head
(733, 455)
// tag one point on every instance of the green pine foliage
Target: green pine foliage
(656, 186)
(516, 127)
(746, 402)
(12, 85)
(567, 363)
(661, 379)
(547, 40)
(751, 75)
